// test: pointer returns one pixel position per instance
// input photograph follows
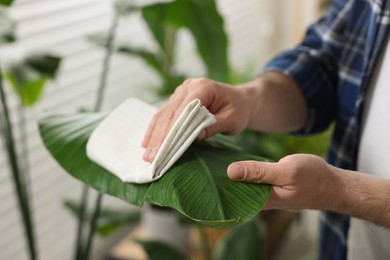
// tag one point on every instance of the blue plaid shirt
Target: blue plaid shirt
(333, 66)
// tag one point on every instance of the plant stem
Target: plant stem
(20, 188)
(80, 253)
(106, 62)
(81, 219)
(92, 227)
(24, 165)
(169, 46)
(204, 243)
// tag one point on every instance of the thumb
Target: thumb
(254, 172)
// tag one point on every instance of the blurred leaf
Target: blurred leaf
(197, 185)
(276, 146)
(148, 57)
(244, 242)
(206, 25)
(155, 17)
(6, 2)
(44, 64)
(7, 29)
(204, 22)
(109, 221)
(29, 87)
(29, 77)
(157, 250)
(125, 7)
(225, 141)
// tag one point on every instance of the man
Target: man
(337, 74)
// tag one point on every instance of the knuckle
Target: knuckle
(291, 163)
(178, 90)
(187, 82)
(201, 82)
(254, 172)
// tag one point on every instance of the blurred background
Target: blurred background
(73, 48)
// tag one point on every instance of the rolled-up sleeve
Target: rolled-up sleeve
(313, 65)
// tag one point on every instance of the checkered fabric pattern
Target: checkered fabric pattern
(333, 66)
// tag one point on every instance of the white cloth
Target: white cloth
(116, 143)
(366, 240)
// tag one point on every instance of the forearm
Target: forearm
(363, 196)
(276, 102)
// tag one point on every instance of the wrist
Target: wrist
(336, 199)
(250, 93)
(275, 103)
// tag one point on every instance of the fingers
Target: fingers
(226, 124)
(158, 129)
(220, 99)
(164, 119)
(255, 172)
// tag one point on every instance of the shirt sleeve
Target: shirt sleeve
(313, 65)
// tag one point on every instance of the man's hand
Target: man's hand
(300, 181)
(303, 181)
(228, 104)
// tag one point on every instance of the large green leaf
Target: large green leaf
(197, 185)
(204, 22)
(155, 17)
(244, 242)
(206, 25)
(149, 57)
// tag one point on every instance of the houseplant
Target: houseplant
(27, 75)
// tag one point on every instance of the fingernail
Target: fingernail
(146, 154)
(153, 153)
(236, 171)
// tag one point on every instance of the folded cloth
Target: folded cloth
(116, 143)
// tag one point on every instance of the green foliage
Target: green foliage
(148, 57)
(164, 20)
(18, 177)
(197, 185)
(28, 87)
(157, 250)
(29, 77)
(27, 81)
(6, 2)
(7, 29)
(44, 64)
(202, 19)
(109, 220)
(243, 242)
(276, 146)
